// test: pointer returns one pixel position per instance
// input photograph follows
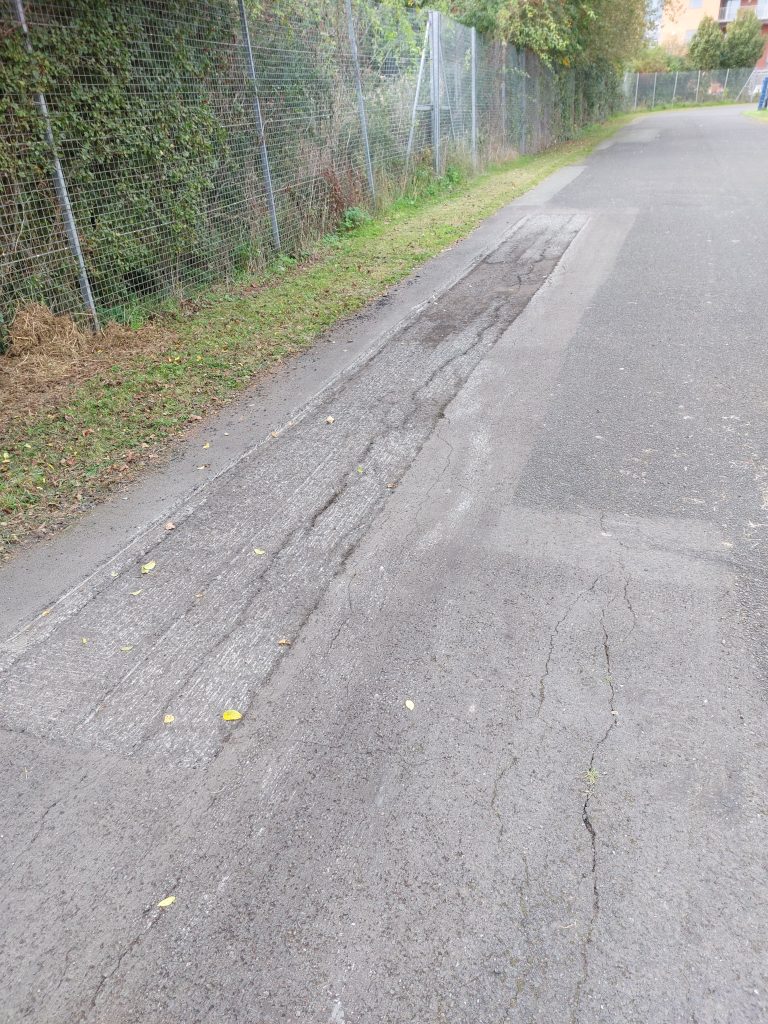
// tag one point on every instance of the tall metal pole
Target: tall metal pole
(360, 99)
(419, 79)
(473, 54)
(655, 80)
(503, 92)
(637, 87)
(674, 91)
(265, 169)
(444, 79)
(434, 53)
(725, 87)
(698, 84)
(523, 62)
(60, 183)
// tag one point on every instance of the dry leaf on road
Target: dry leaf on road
(148, 567)
(231, 715)
(167, 902)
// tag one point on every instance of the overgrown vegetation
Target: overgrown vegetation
(599, 33)
(66, 447)
(153, 112)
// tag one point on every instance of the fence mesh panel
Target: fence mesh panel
(648, 89)
(169, 138)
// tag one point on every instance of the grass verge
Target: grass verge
(62, 455)
(758, 115)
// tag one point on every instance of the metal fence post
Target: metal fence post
(655, 80)
(419, 79)
(473, 54)
(360, 99)
(523, 64)
(434, 52)
(674, 91)
(503, 92)
(698, 84)
(637, 87)
(60, 184)
(725, 87)
(265, 168)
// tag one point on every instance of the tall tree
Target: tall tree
(562, 31)
(744, 42)
(706, 49)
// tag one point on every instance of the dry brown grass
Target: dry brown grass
(48, 356)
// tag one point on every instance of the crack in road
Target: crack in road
(553, 636)
(587, 820)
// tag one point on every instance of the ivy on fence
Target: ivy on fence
(151, 108)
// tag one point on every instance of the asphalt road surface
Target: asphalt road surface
(511, 764)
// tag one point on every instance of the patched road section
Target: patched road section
(201, 631)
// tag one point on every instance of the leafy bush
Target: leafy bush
(706, 49)
(354, 218)
(744, 42)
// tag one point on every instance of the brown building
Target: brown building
(680, 21)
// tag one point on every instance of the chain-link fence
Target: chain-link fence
(152, 149)
(648, 90)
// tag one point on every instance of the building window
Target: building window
(689, 35)
(696, 3)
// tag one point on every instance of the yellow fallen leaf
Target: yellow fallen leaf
(231, 715)
(284, 641)
(148, 567)
(46, 612)
(128, 647)
(167, 902)
(410, 705)
(114, 574)
(259, 551)
(359, 469)
(274, 434)
(135, 593)
(204, 466)
(167, 719)
(84, 639)
(207, 444)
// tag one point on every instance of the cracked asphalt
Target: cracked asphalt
(539, 516)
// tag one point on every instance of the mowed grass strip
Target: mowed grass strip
(57, 461)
